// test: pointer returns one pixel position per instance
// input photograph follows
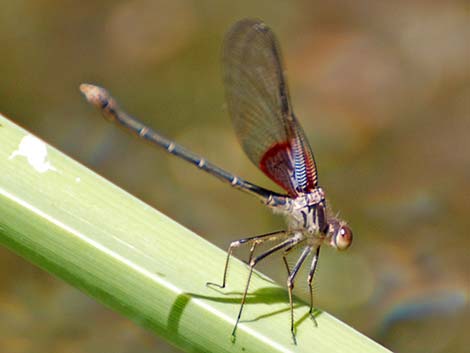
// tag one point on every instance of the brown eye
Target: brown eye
(343, 238)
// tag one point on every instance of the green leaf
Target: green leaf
(73, 223)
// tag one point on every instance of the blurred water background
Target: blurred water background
(382, 90)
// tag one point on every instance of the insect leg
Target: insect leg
(284, 258)
(258, 239)
(253, 263)
(313, 267)
(290, 286)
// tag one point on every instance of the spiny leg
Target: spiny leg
(313, 267)
(258, 239)
(253, 263)
(290, 286)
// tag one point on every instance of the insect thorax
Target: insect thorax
(305, 213)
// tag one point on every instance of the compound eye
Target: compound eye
(343, 238)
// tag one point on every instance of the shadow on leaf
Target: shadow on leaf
(266, 295)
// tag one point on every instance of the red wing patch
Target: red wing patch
(276, 163)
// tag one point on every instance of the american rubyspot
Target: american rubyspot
(265, 124)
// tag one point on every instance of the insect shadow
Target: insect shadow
(265, 295)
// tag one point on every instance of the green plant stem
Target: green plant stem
(78, 226)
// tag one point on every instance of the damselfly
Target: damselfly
(265, 124)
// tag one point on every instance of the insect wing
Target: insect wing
(258, 102)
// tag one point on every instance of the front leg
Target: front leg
(311, 273)
(290, 286)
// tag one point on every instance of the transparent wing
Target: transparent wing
(258, 102)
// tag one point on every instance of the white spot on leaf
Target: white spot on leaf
(35, 151)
